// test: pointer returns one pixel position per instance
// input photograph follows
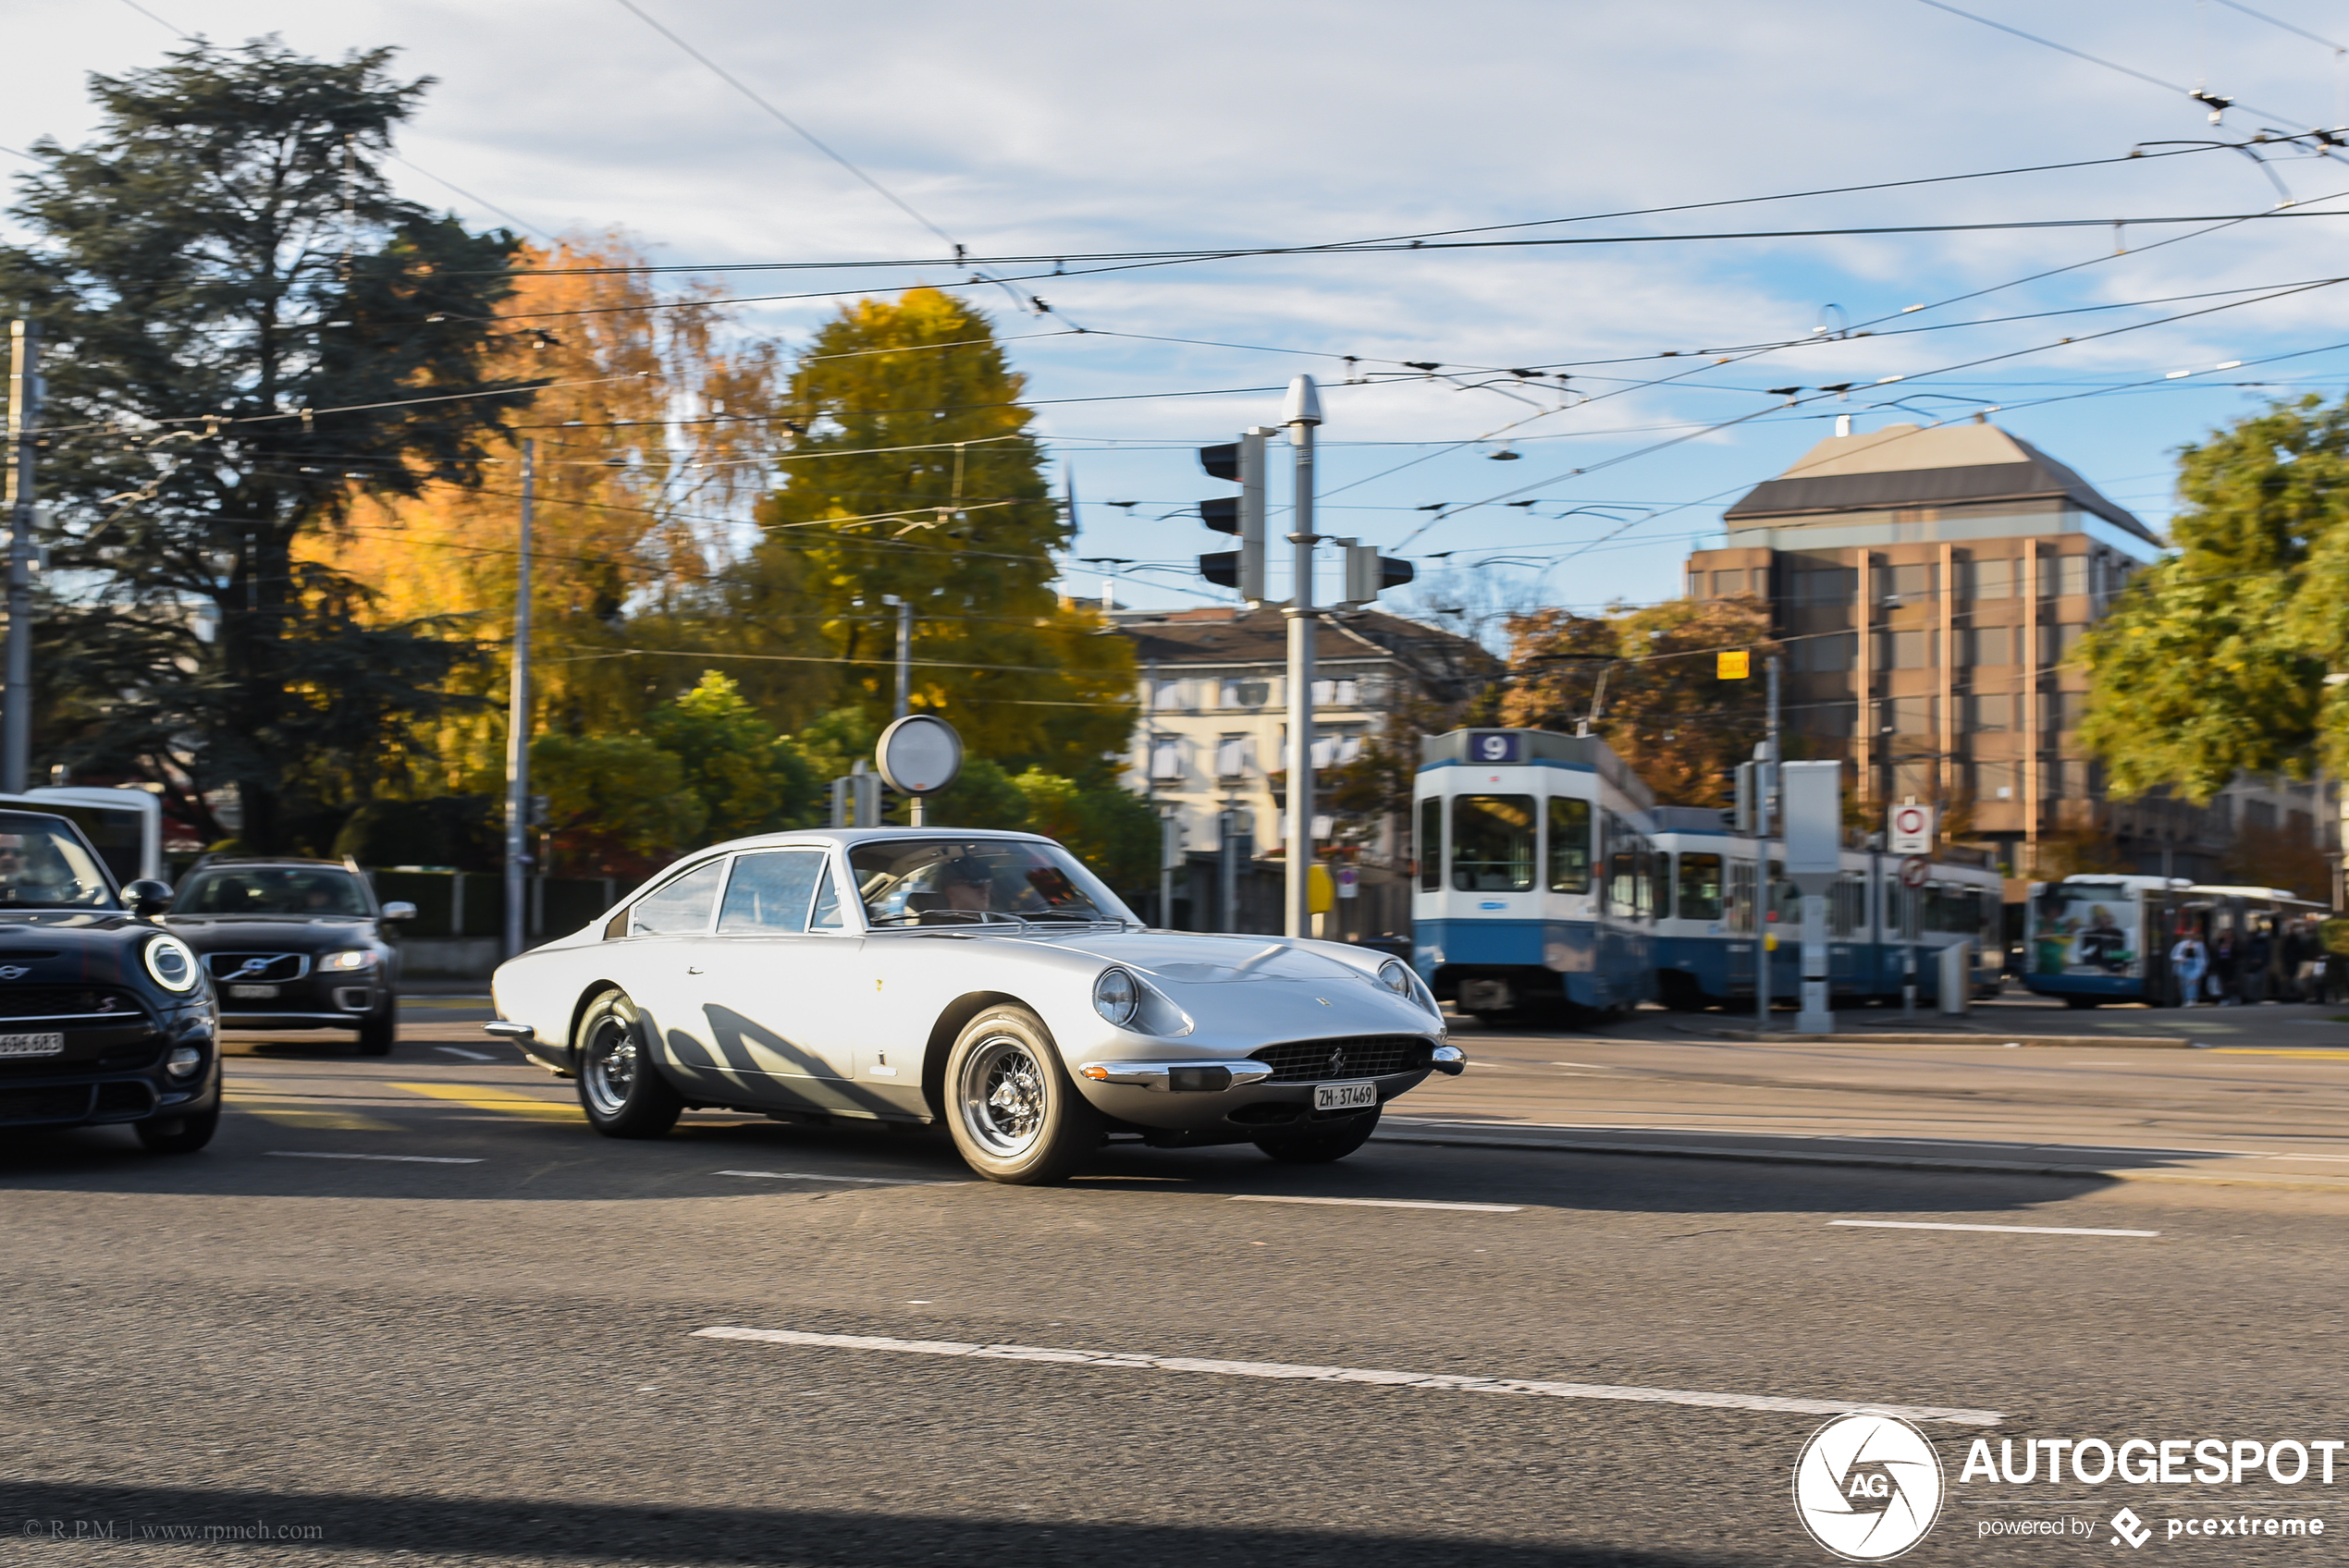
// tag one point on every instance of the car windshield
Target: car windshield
(282, 891)
(976, 881)
(44, 866)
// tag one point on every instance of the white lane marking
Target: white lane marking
(1986, 1145)
(1427, 1381)
(862, 1181)
(1383, 1202)
(2023, 1229)
(394, 1159)
(469, 1055)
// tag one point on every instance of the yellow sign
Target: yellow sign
(1733, 664)
(1320, 890)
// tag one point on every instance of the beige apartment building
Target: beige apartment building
(1930, 584)
(1212, 737)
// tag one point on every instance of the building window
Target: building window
(1336, 750)
(1233, 755)
(1909, 650)
(1166, 757)
(1821, 585)
(2259, 816)
(1912, 585)
(1344, 691)
(1992, 645)
(2060, 711)
(1239, 692)
(1824, 652)
(1912, 718)
(2071, 574)
(1998, 781)
(1168, 696)
(1990, 712)
(1990, 579)
(1727, 583)
(2056, 642)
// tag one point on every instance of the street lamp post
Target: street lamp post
(1303, 416)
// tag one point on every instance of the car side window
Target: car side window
(769, 894)
(826, 914)
(679, 906)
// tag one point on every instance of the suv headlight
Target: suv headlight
(355, 958)
(172, 963)
(1116, 997)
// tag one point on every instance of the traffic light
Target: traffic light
(1368, 574)
(1240, 463)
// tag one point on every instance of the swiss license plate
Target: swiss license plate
(251, 993)
(1358, 1094)
(31, 1045)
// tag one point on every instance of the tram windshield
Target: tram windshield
(1492, 843)
(2086, 928)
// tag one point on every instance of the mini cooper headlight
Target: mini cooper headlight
(1396, 977)
(171, 964)
(352, 960)
(1116, 997)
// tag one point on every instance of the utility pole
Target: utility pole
(24, 414)
(1765, 801)
(904, 654)
(1302, 415)
(518, 855)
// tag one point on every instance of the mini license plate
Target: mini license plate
(251, 993)
(31, 1045)
(1358, 1094)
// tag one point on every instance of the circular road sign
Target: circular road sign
(1913, 871)
(1911, 821)
(919, 754)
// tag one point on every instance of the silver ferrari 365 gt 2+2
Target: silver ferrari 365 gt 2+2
(987, 980)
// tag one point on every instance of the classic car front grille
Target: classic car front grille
(268, 969)
(80, 1004)
(64, 1102)
(1357, 1055)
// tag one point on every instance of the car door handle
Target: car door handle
(692, 969)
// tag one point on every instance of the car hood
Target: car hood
(254, 933)
(1201, 960)
(70, 946)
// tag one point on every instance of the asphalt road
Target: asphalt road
(484, 1341)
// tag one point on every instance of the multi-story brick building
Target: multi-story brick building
(1930, 584)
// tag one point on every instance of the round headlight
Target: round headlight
(171, 964)
(1116, 997)
(1396, 977)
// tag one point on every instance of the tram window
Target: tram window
(1847, 910)
(1430, 848)
(1742, 896)
(1569, 845)
(1492, 843)
(1699, 888)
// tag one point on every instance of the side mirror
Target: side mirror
(400, 908)
(147, 896)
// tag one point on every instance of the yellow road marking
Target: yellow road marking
(474, 1097)
(2278, 1051)
(304, 1116)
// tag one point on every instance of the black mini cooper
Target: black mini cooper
(105, 1016)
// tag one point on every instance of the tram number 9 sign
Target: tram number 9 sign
(1495, 748)
(1912, 830)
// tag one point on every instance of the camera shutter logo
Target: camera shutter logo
(1868, 1487)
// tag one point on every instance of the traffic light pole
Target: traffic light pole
(518, 724)
(1302, 416)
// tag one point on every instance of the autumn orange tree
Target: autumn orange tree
(1663, 706)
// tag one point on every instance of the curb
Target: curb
(1874, 1161)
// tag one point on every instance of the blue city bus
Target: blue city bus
(2097, 938)
(1712, 919)
(1537, 874)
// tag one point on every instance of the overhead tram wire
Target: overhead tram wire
(1404, 241)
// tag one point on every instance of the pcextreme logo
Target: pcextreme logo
(1868, 1487)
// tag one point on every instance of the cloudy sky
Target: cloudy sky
(1035, 128)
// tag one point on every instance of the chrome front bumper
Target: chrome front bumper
(1179, 1077)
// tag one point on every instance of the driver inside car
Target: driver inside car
(29, 871)
(969, 886)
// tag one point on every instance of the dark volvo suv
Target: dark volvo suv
(294, 944)
(105, 1016)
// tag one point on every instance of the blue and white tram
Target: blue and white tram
(1537, 878)
(1712, 919)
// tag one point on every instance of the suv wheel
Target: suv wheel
(380, 1032)
(178, 1135)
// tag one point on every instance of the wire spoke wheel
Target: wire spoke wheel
(613, 1061)
(620, 1087)
(1004, 1096)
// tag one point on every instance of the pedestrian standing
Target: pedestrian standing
(2222, 969)
(2188, 960)
(2251, 973)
